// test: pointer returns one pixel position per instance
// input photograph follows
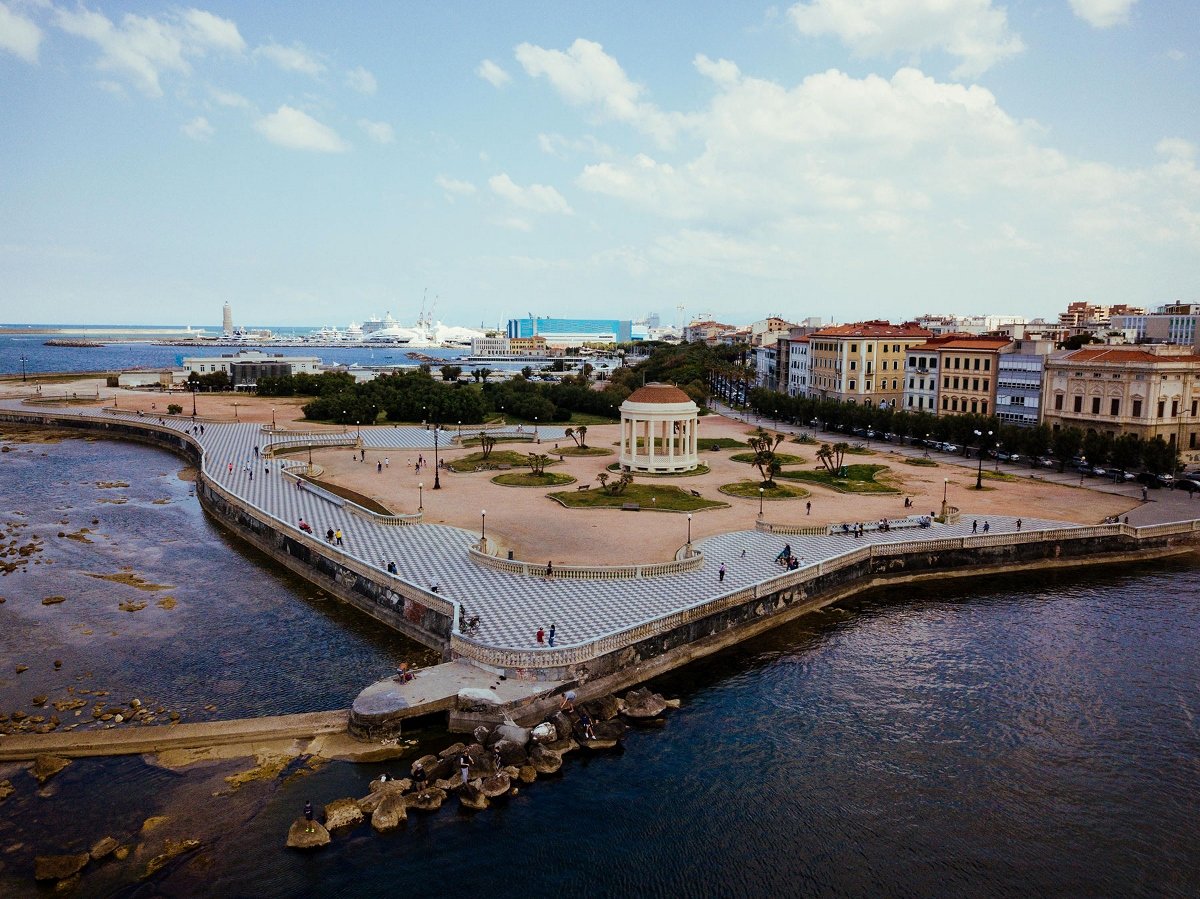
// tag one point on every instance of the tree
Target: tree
(486, 443)
(450, 372)
(1097, 447)
(825, 456)
(617, 487)
(839, 453)
(764, 445)
(1065, 445)
(527, 372)
(1159, 457)
(581, 432)
(484, 374)
(570, 432)
(1126, 452)
(537, 463)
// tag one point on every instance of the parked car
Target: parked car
(1099, 472)
(1046, 462)
(1119, 474)
(948, 448)
(1150, 480)
(1185, 484)
(1165, 479)
(1014, 457)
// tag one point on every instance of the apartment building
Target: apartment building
(862, 362)
(1019, 382)
(967, 379)
(1151, 391)
(798, 365)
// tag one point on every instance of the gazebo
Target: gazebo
(664, 415)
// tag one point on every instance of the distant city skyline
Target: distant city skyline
(847, 159)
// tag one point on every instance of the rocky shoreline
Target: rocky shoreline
(500, 761)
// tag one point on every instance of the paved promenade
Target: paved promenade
(511, 608)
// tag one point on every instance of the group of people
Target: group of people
(544, 638)
(787, 558)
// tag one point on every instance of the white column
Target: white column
(670, 428)
(650, 435)
(694, 429)
(624, 425)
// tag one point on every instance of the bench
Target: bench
(631, 507)
(584, 487)
(695, 493)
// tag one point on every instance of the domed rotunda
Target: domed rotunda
(659, 430)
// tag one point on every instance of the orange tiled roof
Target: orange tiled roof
(1124, 357)
(873, 329)
(658, 393)
(975, 343)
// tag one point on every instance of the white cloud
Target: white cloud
(535, 197)
(297, 130)
(562, 147)
(1103, 13)
(228, 98)
(974, 31)
(380, 132)
(295, 58)
(453, 187)
(19, 35)
(211, 30)
(198, 128)
(493, 74)
(361, 80)
(585, 76)
(142, 48)
(1176, 55)
(722, 71)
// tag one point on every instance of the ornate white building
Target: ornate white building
(659, 430)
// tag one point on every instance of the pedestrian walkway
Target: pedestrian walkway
(510, 608)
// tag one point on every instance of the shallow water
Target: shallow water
(1015, 737)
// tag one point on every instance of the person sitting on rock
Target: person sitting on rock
(308, 816)
(585, 721)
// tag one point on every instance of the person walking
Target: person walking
(540, 636)
(550, 568)
(379, 467)
(308, 817)
(721, 573)
(337, 536)
(387, 462)
(418, 777)
(551, 635)
(808, 508)
(1018, 524)
(986, 527)
(974, 527)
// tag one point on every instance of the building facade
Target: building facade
(204, 365)
(1019, 382)
(799, 366)
(967, 375)
(572, 331)
(861, 363)
(1150, 391)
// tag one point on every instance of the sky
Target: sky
(315, 164)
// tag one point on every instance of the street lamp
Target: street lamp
(358, 424)
(235, 416)
(979, 474)
(421, 497)
(761, 491)
(437, 471)
(483, 527)
(272, 418)
(24, 359)
(194, 386)
(999, 445)
(689, 540)
(460, 429)
(535, 433)
(310, 470)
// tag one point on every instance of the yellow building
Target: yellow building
(968, 367)
(1151, 391)
(861, 363)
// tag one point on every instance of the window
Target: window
(1078, 404)
(852, 383)
(986, 381)
(976, 366)
(867, 386)
(1137, 408)
(933, 363)
(1162, 405)
(1193, 407)
(1058, 402)
(853, 365)
(854, 347)
(1114, 407)
(975, 382)
(1174, 408)
(1192, 440)
(946, 382)
(987, 364)
(1095, 405)
(945, 403)
(910, 399)
(974, 403)
(911, 381)
(957, 361)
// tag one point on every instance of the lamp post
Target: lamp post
(235, 415)
(24, 359)
(535, 431)
(272, 418)
(460, 429)
(979, 474)
(927, 436)
(358, 424)
(945, 501)
(421, 497)
(689, 540)
(194, 386)
(483, 528)
(310, 471)
(999, 445)
(761, 491)
(437, 471)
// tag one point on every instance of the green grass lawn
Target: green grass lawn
(474, 441)
(582, 451)
(749, 490)
(781, 458)
(859, 479)
(473, 461)
(651, 497)
(529, 479)
(859, 451)
(711, 443)
(922, 462)
(699, 469)
(998, 476)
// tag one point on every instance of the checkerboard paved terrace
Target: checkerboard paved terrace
(512, 607)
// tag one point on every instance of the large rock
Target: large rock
(495, 786)
(307, 835)
(562, 747)
(428, 800)
(527, 774)
(451, 752)
(643, 703)
(171, 849)
(545, 761)
(380, 791)
(103, 847)
(562, 723)
(435, 768)
(387, 786)
(481, 734)
(342, 813)
(610, 730)
(545, 732)
(391, 812)
(59, 867)
(599, 745)
(45, 767)
(604, 708)
(472, 796)
(511, 753)
(511, 732)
